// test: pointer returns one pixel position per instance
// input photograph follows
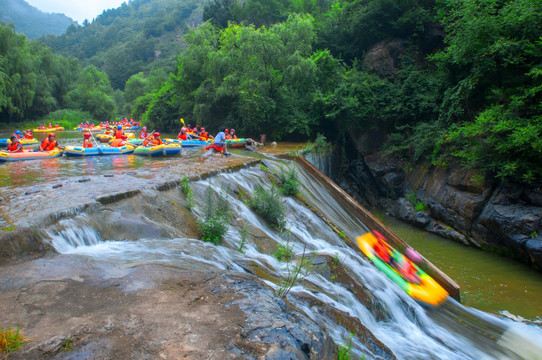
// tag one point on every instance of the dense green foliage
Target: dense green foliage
(31, 21)
(439, 81)
(139, 36)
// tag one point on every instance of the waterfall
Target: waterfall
(408, 329)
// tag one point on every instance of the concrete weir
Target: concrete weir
(373, 223)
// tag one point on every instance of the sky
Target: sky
(79, 10)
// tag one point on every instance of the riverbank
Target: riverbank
(488, 281)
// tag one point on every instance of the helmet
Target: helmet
(18, 132)
(202, 128)
(119, 127)
(144, 128)
(51, 134)
(56, 123)
(232, 130)
(226, 130)
(124, 137)
(87, 135)
(156, 134)
(183, 129)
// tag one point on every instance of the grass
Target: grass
(187, 190)
(11, 339)
(244, 234)
(69, 345)
(65, 118)
(268, 204)
(418, 205)
(289, 180)
(213, 226)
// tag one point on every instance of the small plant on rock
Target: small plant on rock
(289, 180)
(297, 270)
(11, 339)
(268, 204)
(187, 190)
(216, 216)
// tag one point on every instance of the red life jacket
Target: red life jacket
(182, 137)
(29, 136)
(15, 146)
(87, 144)
(143, 134)
(47, 145)
(118, 134)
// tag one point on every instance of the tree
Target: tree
(93, 93)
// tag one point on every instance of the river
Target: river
(141, 230)
(488, 281)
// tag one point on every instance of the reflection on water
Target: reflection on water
(488, 282)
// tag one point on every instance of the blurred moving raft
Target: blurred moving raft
(449, 285)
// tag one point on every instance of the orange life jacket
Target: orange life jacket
(118, 134)
(227, 137)
(182, 137)
(118, 143)
(29, 136)
(15, 146)
(204, 136)
(153, 142)
(47, 145)
(87, 144)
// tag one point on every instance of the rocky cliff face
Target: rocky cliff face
(454, 203)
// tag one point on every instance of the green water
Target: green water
(488, 282)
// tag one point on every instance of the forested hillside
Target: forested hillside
(139, 36)
(440, 81)
(31, 21)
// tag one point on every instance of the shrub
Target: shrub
(68, 118)
(289, 181)
(216, 216)
(268, 204)
(187, 190)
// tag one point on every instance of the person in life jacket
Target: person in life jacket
(182, 135)
(17, 134)
(119, 132)
(108, 130)
(219, 144)
(86, 141)
(143, 133)
(153, 142)
(227, 135)
(28, 135)
(120, 142)
(15, 145)
(49, 143)
(203, 134)
(50, 126)
(232, 134)
(56, 125)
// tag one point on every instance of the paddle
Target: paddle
(97, 146)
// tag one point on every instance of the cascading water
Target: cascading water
(409, 330)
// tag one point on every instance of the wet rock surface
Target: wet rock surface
(150, 312)
(460, 204)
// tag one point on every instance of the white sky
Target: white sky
(78, 10)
